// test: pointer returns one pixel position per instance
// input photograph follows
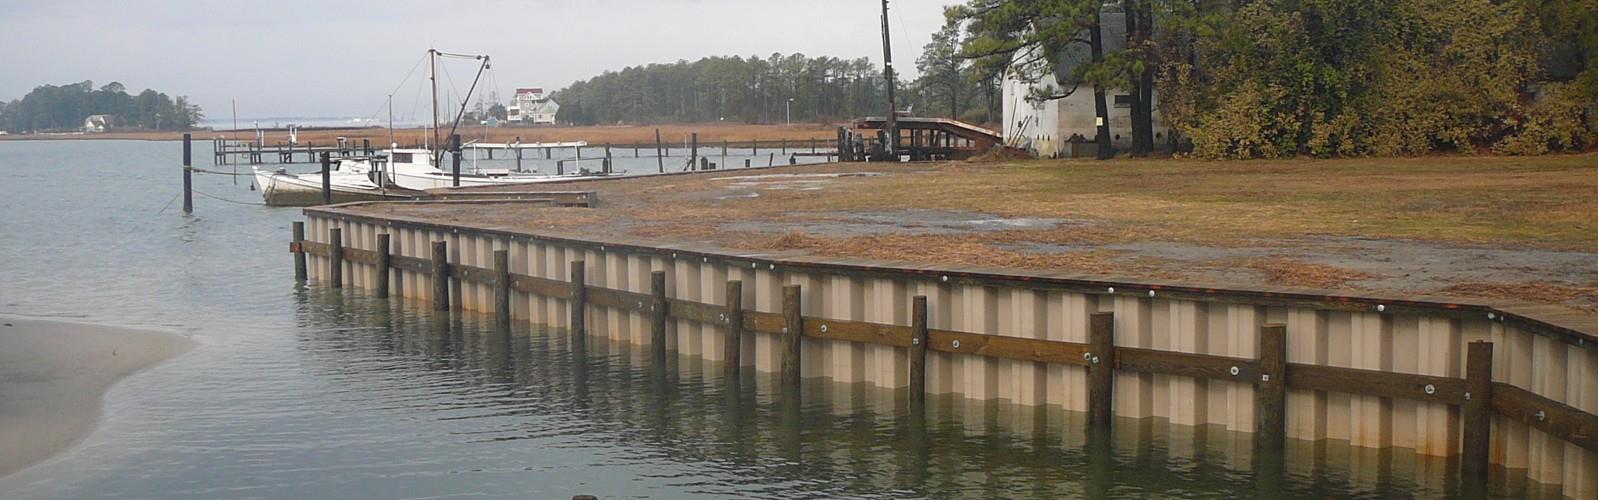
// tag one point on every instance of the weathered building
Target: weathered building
(532, 105)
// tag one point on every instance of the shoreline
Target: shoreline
(54, 376)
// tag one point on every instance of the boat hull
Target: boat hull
(290, 191)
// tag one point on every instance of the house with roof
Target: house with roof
(531, 105)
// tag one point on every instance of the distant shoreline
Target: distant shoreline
(709, 133)
(54, 376)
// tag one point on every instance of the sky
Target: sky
(329, 58)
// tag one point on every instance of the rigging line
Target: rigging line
(401, 84)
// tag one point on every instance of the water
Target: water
(308, 393)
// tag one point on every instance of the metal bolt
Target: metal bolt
(1112, 289)
(1431, 389)
(784, 329)
(1151, 293)
(1265, 377)
(915, 340)
(956, 344)
(1234, 371)
(1541, 416)
(1492, 316)
(753, 265)
(1380, 308)
(773, 267)
(722, 317)
(945, 278)
(1095, 360)
(674, 255)
(1087, 356)
(823, 328)
(707, 259)
(1467, 396)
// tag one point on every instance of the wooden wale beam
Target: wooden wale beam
(1554, 418)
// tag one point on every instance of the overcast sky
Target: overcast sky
(322, 58)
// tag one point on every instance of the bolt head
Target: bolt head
(1151, 293)
(956, 344)
(1381, 307)
(1112, 289)
(1265, 377)
(1234, 371)
(915, 340)
(1541, 415)
(823, 328)
(1431, 389)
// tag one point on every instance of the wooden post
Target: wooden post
(660, 160)
(335, 261)
(771, 159)
(502, 287)
(579, 301)
(1478, 411)
(735, 324)
(1101, 368)
(384, 262)
(755, 150)
(658, 311)
(785, 145)
(918, 349)
(1270, 394)
(746, 163)
(693, 151)
(299, 252)
(793, 327)
(327, 179)
(518, 153)
(455, 146)
(188, 174)
(440, 276)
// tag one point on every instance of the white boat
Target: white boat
(411, 169)
(351, 179)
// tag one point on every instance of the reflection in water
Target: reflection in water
(837, 439)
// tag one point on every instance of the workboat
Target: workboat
(349, 179)
(412, 169)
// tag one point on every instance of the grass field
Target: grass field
(1463, 226)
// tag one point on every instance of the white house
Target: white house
(97, 123)
(531, 105)
(1047, 126)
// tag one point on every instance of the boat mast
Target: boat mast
(432, 76)
(890, 146)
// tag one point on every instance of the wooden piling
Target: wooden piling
(335, 257)
(188, 174)
(918, 349)
(658, 312)
(455, 172)
(502, 287)
(746, 163)
(660, 160)
(579, 300)
(384, 263)
(1478, 412)
(1101, 368)
(793, 327)
(299, 252)
(327, 179)
(735, 324)
(440, 276)
(1270, 394)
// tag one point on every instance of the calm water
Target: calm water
(306, 393)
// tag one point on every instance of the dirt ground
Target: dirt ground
(1493, 227)
(620, 134)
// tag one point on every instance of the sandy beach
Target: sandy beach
(53, 376)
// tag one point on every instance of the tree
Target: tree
(942, 68)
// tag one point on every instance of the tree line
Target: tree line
(762, 90)
(1271, 78)
(52, 108)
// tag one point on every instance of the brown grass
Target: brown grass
(1584, 297)
(1289, 272)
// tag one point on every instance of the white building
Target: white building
(1047, 126)
(531, 105)
(97, 123)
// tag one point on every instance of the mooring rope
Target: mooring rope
(218, 198)
(229, 174)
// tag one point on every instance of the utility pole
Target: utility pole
(890, 146)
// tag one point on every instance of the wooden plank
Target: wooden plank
(618, 299)
(763, 322)
(1477, 412)
(695, 311)
(1101, 368)
(1376, 383)
(858, 331)
(543, 287)
(999, 346)
(1270, 395)
(1200, 366)
(793, 326)
(411, 264)
(1555, 418)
